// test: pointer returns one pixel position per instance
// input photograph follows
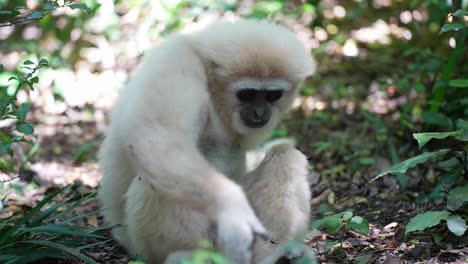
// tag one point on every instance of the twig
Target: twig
(9, 180)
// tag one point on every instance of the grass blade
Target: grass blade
(68, 250)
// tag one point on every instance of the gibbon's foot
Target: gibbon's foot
(296, 253)
(285, 157)
(284, 213)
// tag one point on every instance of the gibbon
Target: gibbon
(173, 160)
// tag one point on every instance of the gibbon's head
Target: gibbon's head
(254, 69)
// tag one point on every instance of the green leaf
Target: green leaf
(426, 220)
(35, 15)
(462, 124)
(317, 224)
(452, 27)
(332, 224)
(437, 119)
(437, 238)
(423, 138)
(28, 62)
(456, 225)
(322, 146)
(457, 197)
(367, 161)
(403, 166)
(34, 79)
(81, 152)
(71, 219)
(81, 6)
(31, 257)
(4, 238)
(461, 83)
(23, 111)
(50, 5)
(419, 87)
(26, 129)
(61, 247)
(359, 224)
(43, 62)
(60, 230)
(77, 201)
(345, 216)
(5, 12)
(279, 132)
(460, 13)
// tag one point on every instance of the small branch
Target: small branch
(9, 180)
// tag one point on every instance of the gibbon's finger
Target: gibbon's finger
(258, 229)
(264, 236)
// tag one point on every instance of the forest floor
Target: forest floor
(345, 153)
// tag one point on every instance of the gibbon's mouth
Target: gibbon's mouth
(255, 123)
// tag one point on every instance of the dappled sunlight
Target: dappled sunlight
(381, 32)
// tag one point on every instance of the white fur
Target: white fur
(170, 161)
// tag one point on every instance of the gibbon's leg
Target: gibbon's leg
(114, 185)
(158, 226)
(278, 191)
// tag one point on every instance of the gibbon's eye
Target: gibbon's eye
(272, 96)
(246, 95)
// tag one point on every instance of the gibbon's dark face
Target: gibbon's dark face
(256, 105)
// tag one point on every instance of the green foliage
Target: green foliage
(43, 232)
(423, 138)
(206, 255)
(345, 220)
(455, 26)
(85, 149)
(457, 197)
(457, 225)
(11, 110)
(403, 166)
(460, 83)
(359, 224)
(19, 15)
(455, 165)
(425, 220)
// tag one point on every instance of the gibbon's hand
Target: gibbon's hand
(237, 228)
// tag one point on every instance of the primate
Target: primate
(174, 155)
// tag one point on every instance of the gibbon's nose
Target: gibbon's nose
(259, 113)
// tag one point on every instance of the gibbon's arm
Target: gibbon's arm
(163, 131)
(164, 150)
(172, 164)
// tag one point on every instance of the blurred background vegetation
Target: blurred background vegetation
(386, 69)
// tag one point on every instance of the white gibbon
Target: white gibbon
(174, 157)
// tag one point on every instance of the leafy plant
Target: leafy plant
(343, 221)
(20, 15)
(46, 233)
(21, 130)
(206, 255)
(450, 185)
(455, 26)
